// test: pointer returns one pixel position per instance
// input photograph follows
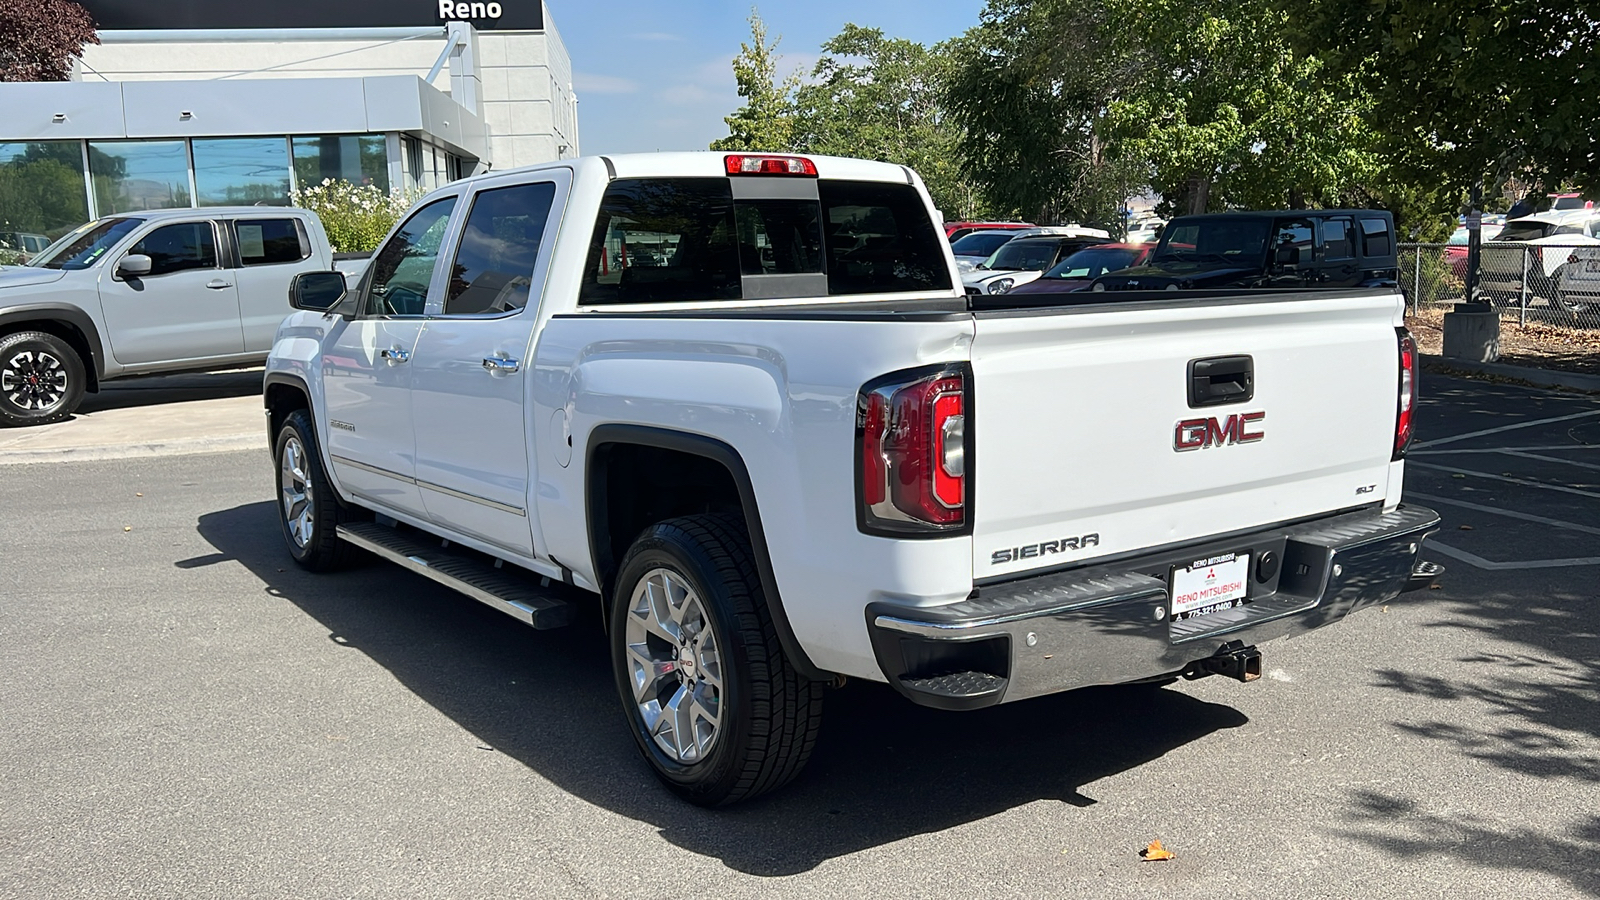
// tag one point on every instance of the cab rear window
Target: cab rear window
(664, 240)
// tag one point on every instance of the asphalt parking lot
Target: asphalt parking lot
(188, 714)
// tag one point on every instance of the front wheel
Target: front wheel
(42, 379)
(714, 705)
(307, 508)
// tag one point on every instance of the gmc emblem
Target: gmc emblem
(1198, 434)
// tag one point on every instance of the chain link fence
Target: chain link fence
(1554, 284)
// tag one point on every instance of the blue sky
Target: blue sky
(654, 75)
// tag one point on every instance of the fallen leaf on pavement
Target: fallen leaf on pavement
(1465, 528)
(1155, 851)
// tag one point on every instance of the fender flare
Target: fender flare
(67, 315)
(723, 454)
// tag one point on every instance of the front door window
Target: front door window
(175, 248)
(403, 269)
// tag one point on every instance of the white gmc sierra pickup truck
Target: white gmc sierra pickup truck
(742, 402)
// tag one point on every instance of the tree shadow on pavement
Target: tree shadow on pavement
(1478, 842)
(152, 390)
(1527, 703)
(883, 769)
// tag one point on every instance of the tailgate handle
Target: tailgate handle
(1221, 380)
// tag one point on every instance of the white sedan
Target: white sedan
(1025, 259)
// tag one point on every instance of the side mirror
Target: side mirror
(1288, 255)
(317, 291)
(134, 265)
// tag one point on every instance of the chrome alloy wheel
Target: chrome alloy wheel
(295, 485)
(34, 379)
(674, 666)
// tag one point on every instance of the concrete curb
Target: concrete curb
(1542, 378)
(225, 444)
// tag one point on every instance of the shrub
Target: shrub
(356, 217)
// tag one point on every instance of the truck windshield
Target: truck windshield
(1525, 231)
(981, 243)
(1023, 256)
(83, 247)
(1213, 242)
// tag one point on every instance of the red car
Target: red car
(1078, 271)
(955, 231)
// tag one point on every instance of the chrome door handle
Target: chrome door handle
(395, 355)
(501, 365)
(217, 284)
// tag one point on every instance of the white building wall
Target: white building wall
(201, 60)
(528, 101)
(523, 79)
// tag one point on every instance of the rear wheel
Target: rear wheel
(714, 705)
(42, 379)
(1571, 305)
(308, 510)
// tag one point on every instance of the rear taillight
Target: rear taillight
(1409, 364)
(770, 165)
(912, 452)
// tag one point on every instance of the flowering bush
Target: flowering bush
(356, 217)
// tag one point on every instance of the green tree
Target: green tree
(1470, 89)
(1028, 88)
(766, 121)
(1072, 104)
(879, 98)
(1225, 111)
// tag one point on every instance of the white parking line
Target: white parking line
(1504, 428)
(1474, 559)
(1522, 481)
(1555, 459)
(1508, 513)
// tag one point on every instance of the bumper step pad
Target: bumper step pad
(505, 589)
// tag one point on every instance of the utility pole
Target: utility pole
(1474, 240)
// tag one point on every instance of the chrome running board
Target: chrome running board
(502, 588)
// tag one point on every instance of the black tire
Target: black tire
(1573, 309)
(768, 714)
(42, 379)
(318, 547)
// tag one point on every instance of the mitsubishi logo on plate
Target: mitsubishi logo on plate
(1199, 434)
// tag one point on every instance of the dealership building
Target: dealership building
(216, 103)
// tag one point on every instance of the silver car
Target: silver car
(160, 291)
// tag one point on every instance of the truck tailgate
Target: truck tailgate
(1085, 443)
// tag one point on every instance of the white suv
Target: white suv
(1539, 246)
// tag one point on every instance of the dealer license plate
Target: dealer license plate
(1208, 585)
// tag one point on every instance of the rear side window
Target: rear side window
(174, 248)
(1336, 239)
(1376, 238)
(493, 270)
(268, 241)
(661, 240)
(880, 239)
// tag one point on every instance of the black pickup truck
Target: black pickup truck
(1286, 249)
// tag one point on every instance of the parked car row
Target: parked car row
(1550, 253)
(1289, 249)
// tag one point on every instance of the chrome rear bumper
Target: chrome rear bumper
(1109, 624)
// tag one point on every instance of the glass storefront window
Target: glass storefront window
(41, 192)
(130, 176)
(241, 171)
(361, 159)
